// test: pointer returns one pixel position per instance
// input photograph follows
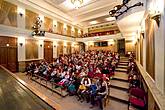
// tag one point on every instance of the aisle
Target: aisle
(119, 83)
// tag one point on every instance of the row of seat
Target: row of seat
(137, 94)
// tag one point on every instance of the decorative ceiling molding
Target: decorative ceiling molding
(51, 9)
(88, 9)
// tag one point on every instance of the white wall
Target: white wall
(160, 55)
(21, 49)
(54, 49)
(40, 49)
(157, 5)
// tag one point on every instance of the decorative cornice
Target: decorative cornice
(17, 32)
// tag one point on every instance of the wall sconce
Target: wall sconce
(21, 11)
(21, 41)
(48, 46)
(40, 45)
(142, 34)
(157, 18)
(21, 44)
(7, 45)
(21, 14)
(55, 46)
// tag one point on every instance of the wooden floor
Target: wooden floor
(15, 96)
(70, 102)
(118, 92)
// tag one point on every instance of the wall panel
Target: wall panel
(30, 19)
(60, 49)
(68, 30)
(141, 49)
(59, 28)
(48, 24)
(31, 49)
(76, 32)
(129, 46)
(8, 54)
(48, 51)
(150, 48)
(8, 13)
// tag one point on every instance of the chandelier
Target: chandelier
(77, 3)
(123, 8)
(36, 28)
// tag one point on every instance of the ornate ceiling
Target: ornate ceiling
(92, 12)
(89, 11)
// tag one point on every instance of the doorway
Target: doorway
(8, 53)
(121, 46)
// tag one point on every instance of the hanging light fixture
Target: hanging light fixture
(77, 3)
(36, 28)
(118, 10)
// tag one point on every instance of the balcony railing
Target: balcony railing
(159, 98)
(112, 32)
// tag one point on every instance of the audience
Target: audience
(76, 73)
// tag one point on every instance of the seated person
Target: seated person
(101, 93)
(134, 82)
(105, 70)
(82, 73)
(65, 79)
(80, 91)
(97, 71)
(84, 94)
(53, 75)
(36, 70)
(72, 89)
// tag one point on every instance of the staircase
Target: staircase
(119, 84)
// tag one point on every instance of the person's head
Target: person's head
(101, 80)
(134, 76)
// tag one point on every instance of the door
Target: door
(121, 46)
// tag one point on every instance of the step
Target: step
(119, 85)
(57, 90)
(122, 66)
(125, 64)
(121, 69)
(120, 76)
(124, 61)
(119, 94)
(115, 105)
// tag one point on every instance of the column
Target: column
(21, 54)
(65, 48)
(72, 31)
(54, 49)
(86, 46)
(65, 29)
(21, 39)
(41, 49)
(54, 26)
(21, 17)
